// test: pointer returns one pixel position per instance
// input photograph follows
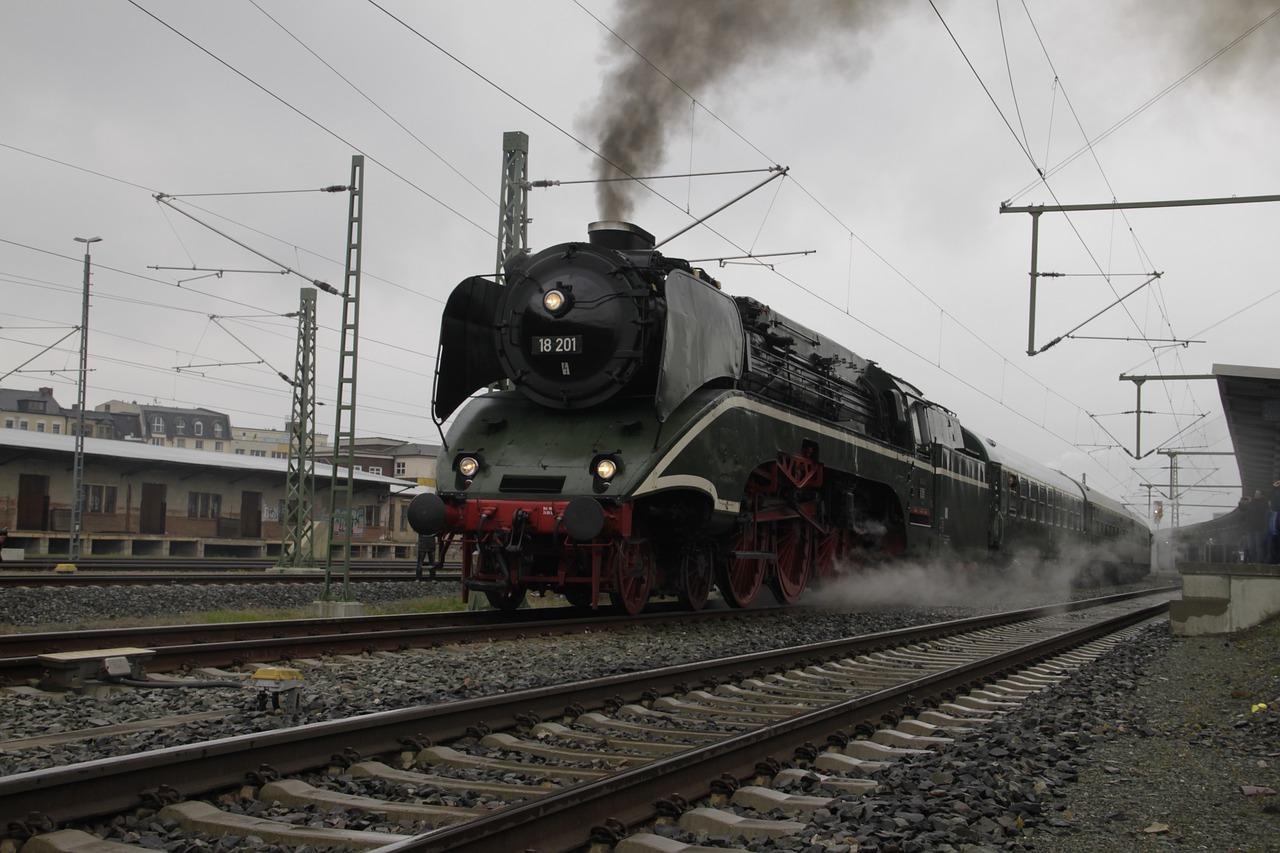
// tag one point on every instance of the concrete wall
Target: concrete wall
(1222, 598)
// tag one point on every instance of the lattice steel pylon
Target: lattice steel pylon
(513, 206)
(297, 529)
(344, 434)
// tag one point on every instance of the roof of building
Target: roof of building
(416, 450)
(149, 408)
(142, 451)
(1251, 404)
(9, 398)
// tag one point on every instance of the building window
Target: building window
(102, 499)
(239, 451)
(8, 423)
(217, 447)
(203, 505)
(279, 454)
(257, 452)
(57, 428)
(400, 469)
(217, 430)
(24, 425)
(39, 426)
(199, 444)
(404, 517)
(179, 442)
(199, 427)
(375, 469)
(158, 441)
(157, 425)
(180, 426)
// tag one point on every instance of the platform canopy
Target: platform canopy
(1251, 404)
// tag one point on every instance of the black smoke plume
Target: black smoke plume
(699, 45)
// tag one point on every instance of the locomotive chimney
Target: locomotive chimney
(620, 236)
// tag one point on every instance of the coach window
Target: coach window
(1024, 492)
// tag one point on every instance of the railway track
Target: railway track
(159, 571)
(225, 644)
(639, 738)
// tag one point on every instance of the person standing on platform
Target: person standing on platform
(1260, 524)
(426, 554)
(1273, 524)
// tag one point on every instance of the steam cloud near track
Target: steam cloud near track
(907, 583)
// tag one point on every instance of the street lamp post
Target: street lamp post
(77, 497)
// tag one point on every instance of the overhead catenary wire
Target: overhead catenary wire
(949, 316)
(304, 115)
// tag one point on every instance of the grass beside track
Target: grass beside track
(425, 604)
(430, 604)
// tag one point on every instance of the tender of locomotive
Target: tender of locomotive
(647, 434)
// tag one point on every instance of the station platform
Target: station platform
(1223, 598)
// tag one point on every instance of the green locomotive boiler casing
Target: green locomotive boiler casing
(657, 436)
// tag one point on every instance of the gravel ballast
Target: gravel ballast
(1160, 744)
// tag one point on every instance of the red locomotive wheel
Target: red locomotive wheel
(740, 577)
(795, 560)
(826, 551)
(695, 578)
(634, 562)
(506, 599)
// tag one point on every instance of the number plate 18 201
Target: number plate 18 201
(557, 344)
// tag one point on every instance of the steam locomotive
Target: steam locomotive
(646, 434)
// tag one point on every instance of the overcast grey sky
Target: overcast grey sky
(904, 126)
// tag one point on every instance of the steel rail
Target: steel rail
(81, 580)
(627, 797)
(225, 643)
(105, 786)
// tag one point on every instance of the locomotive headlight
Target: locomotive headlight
(468, 466)
(603, 469)
(554, 301)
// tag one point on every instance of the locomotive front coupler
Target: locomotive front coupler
(515, 541)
